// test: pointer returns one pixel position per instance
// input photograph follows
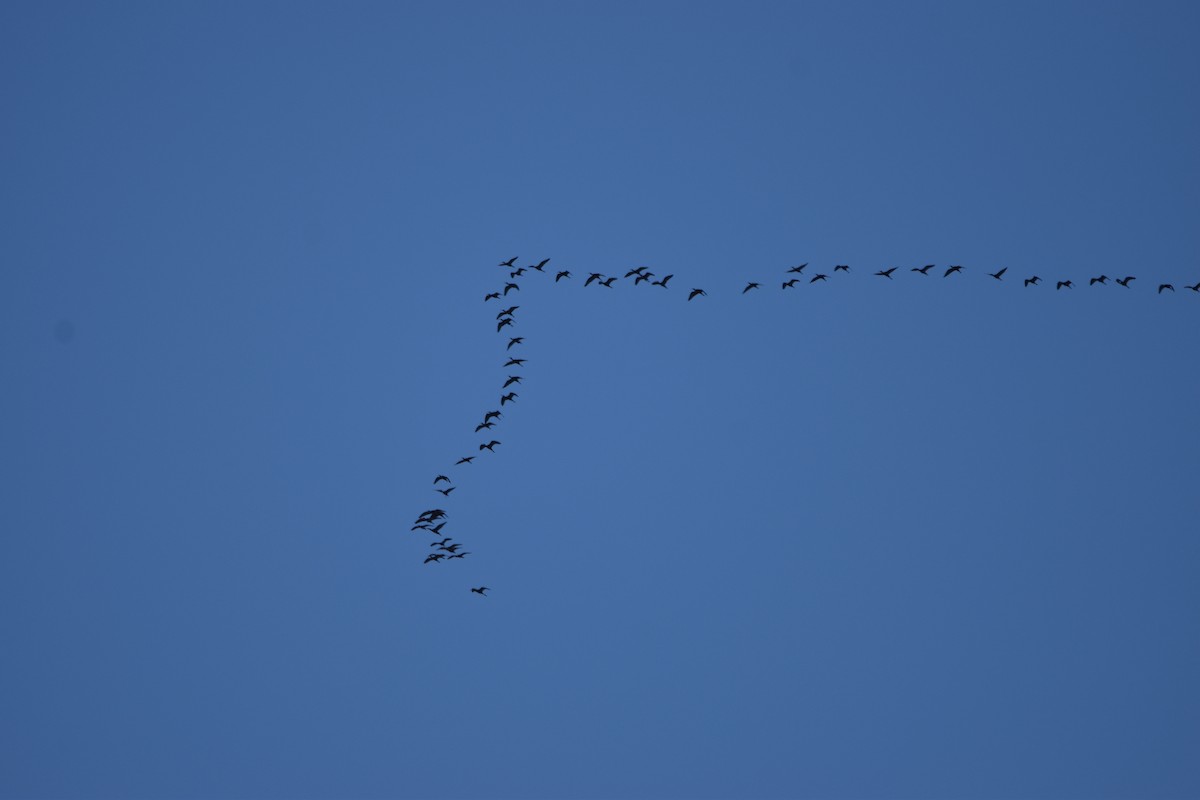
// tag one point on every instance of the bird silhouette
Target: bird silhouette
(440, 478)
(1032, 281)
(511, 380)
(508, 263)
(696, 293)
(450, 548)
(595, 276)
(1103, 279)
(480, 590)
(1125, 281)
(819, 277)
(923, 270)
(1061, 284)
(954, 268)
(1195, 288)
(437, 529)
(464, 460)
(645, 276)
(463, 554)
(511, 286)
(886, 273)
(491, 296)
(434, 557)
(663, 282)
(1162, 286)
(790, 283)
(541, 265)
(446, 492)
(749, 286)
(507, 312)
(502, 323)
(516, 273)
(999, 274)
(491, 415)
(484, 426)
(635, 271)
(442, 542)
(800, 269)
(514, 362)
(563, 274)
(490, 446)
(608, 282)
(514, 340)
(842, 267)
(511, 397)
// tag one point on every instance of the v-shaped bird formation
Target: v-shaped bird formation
(445, 549)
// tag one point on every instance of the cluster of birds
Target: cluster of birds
(446, 549)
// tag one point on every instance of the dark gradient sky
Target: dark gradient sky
(922, 538)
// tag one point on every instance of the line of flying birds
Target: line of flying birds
(446, 549)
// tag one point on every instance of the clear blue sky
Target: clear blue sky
(921, 538)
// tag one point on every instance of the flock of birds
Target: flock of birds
(446, 549)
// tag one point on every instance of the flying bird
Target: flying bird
(1061, 284)
(923, 270)
(749, 286)
(696, 293)
(541, 265)
(1162, 286)
(464, 460)
(508, 263)
(442, 542)
(506, 321)
(954, 268)
(635, 271)
(1195, 288)
(511, 397)
(608, 282)
(1125, 281)
(1032, 281)
(514, 362)
(818, 277)
(595, 276)
(507, 312)
(463, 554)
(800, 269)
(516, 273)
(434, 557)
(489, 446)
(511, 380)
(480, 590)
(445, 492)
(1103, 279)
(563, 274)
(509, 286)
(886, 273)
(1000, 274)
(491, 415)
(663, 282)
(484, 426)
(492, 296)
(792, 282)
(645, 276)
(514, 340)
(842, 267)
(440, 478)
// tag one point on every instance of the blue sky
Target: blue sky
(928, 537)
